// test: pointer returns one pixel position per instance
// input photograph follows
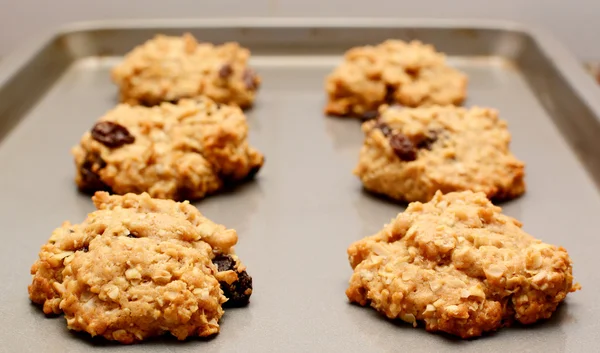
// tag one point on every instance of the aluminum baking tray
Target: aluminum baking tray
(297, 219)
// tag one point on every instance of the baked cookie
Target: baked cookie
(138, 267)
(171, 68)
(130, 289)
(410, 153)
(181, 151)
(460, 266)
(411, 74)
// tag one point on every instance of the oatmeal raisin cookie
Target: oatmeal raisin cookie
(410, 153)
(166, 69)
(458, 265)
(411, 74)
(128, 258)
(181, 151)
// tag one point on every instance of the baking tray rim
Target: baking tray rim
(99, 25)
(565, 62)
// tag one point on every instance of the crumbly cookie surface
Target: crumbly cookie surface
(129, 289)
(411, 74)
(150, 228)
(181, 151)
(460, 266)
(171, 68)
(410, 153)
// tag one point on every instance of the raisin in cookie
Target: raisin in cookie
(410, 153)
(460, 266)
(138, 267)
(171, 68)
(181, 151)
(411, 74)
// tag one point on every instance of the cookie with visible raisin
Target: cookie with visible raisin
(181, 151)
(394, 72)
(410, 153)
(239, 289)
(166, 69)
(164, 264)
(460, 266)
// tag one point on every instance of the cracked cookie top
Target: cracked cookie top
(133, 247)
(175, 151)
(460, 266)
(128, 289)
(411, 74)
(410, 153)
(166, 69)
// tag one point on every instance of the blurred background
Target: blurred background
(574, 22)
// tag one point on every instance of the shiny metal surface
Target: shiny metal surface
(297, 219)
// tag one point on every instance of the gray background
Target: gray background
(574, 22)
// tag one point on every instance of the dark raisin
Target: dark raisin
(249, 78)
(84, 249)
(224, 263)
(225, 71)
(238, 293)
(369, 115)
(385, 129)
(390, 92)
(90, 180)
(429, 140)
(403, 147)
(111, 134)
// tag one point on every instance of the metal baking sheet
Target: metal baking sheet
(297, 219)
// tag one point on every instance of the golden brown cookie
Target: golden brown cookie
(458, 265)
(410, 153)
(181, 151)
(129, 289)
(411, 74)
(166, 69)
(166, 247)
